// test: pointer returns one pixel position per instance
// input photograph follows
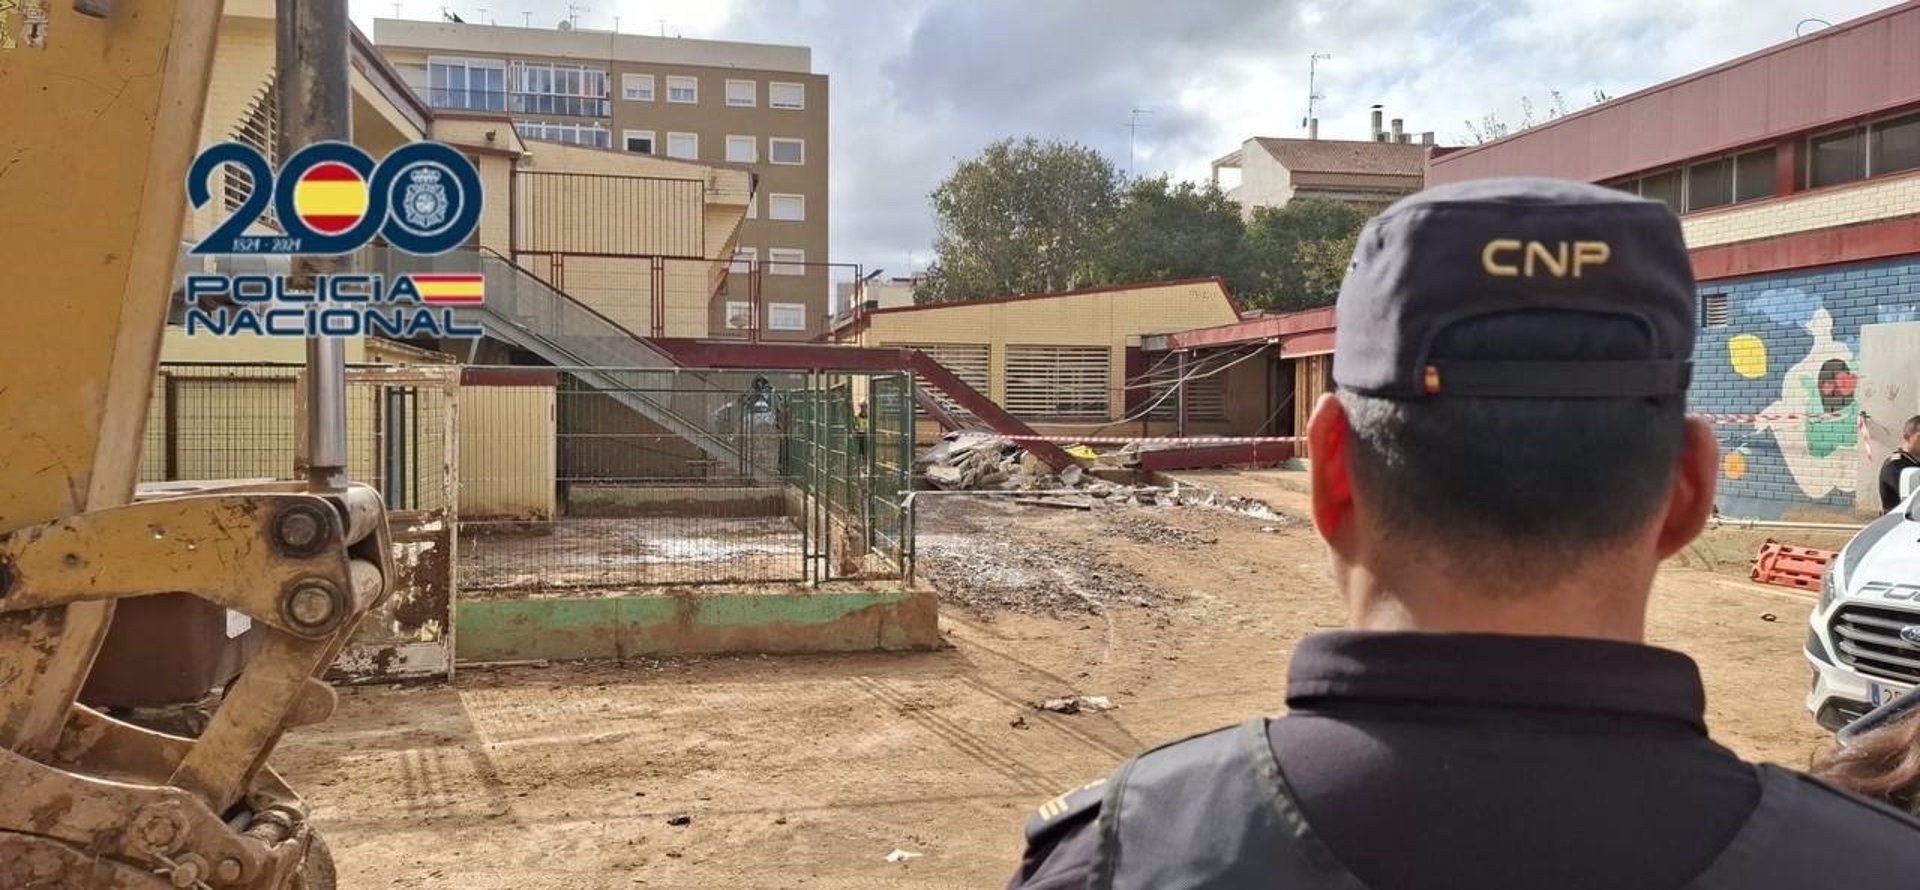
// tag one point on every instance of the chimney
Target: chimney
(1399, 130)
(1376, 124)
(1313, 128)
(1426, 138)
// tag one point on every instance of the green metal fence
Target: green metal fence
(850, 453)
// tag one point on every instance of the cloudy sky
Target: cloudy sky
(919, 84)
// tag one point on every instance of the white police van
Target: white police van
(1864, 640)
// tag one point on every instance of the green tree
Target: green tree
(1297, 254)
(1022, 217)
(1166, 230)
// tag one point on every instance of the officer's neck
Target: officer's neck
(1594, 604)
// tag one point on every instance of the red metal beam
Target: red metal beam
(1253, 330)
(1825, 247)
(1204, 456)
(821, 357)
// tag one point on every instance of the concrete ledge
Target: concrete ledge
(697, 623)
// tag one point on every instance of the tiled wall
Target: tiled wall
(1881, 198)
(1791, 346)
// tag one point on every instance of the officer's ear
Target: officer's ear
(1690, 499)
(1329, 471)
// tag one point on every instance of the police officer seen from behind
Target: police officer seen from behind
(1905, 458)
(1503, 467)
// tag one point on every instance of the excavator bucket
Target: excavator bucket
(99, 121)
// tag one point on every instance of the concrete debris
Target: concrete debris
(680, 819)
(1075, 704)
(1141, 529)
(988, 566)
(899, 855)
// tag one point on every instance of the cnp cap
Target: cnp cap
(1515, 247)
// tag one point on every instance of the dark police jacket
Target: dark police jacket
(1529, 786)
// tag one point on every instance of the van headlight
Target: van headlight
(1829, 586)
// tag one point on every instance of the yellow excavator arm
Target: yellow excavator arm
(100, 113)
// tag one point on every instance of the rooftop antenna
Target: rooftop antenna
(663, 26)
(396, 10)
(616, 24)
(483, 15)
(526, 18)
(1313, 94)
(1799, 27)
(573, 13)
(1133, 130)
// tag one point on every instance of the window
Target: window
(472, 84)
(787, 151)
(1713, 310)
(786, 316)
(743, 259)
(742, 149)
(791, 96)
(1836, 158)
(967, 361)
(1206, 396)
(739, 315)
(636, 87)
(684, 90)
(1710, 184)
(685, 146)
(786, 261)
(640, 141)
(544, 88)
(742, 93)
(1058, 381)
(1895, 145)
(572, 134)
(791, 208)
(753, 206)
(1754, 174)
(1664, 187)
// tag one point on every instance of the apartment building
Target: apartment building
(1369, 174)
(758, 107)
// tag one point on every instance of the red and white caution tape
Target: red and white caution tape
(1155, 440)
(1766, 418)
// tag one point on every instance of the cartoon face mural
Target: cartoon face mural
(1817, 445)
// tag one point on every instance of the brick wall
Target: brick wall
(1791, 345)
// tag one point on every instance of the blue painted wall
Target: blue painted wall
(1791, 345)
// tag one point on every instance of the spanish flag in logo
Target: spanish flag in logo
(451, 290)
(330, 198)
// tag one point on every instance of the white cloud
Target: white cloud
(919, 84)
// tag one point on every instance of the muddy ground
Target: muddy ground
(809, 771)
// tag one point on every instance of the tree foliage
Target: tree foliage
(1022, 217)
(1166, 230)
(1030, 217)
(1297, 254)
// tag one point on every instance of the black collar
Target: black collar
(1497, 671)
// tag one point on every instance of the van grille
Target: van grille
(1867, 639)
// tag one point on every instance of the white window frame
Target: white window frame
(774, 103)
(565, 133)
(696, 146)
(773, 201)
(467, 66)
(786, 261)
(775, 311)
(738, 309)
(771, 159)
(586, 101)
(753, 93)
(683, 81)
(747, 255)
(627, 83)
(752, 153)
(653, 144)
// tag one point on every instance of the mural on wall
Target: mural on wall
(1820, 444)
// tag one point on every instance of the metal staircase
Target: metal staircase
(526, 312)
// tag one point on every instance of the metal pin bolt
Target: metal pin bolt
(186, 873)
(158, 831)
(298, 529)
(310, 605)
(228, 871)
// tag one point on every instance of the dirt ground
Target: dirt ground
(809, 771)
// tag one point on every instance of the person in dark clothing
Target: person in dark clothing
(1493, 718)
(1906, 457)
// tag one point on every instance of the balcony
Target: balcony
(517, 103)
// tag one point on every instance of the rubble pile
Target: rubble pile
(987, 571)
(970, 461)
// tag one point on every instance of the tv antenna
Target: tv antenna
(1313, 94)
(396, 10)
(573, 13)
(1134, 126)
(526, 18)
